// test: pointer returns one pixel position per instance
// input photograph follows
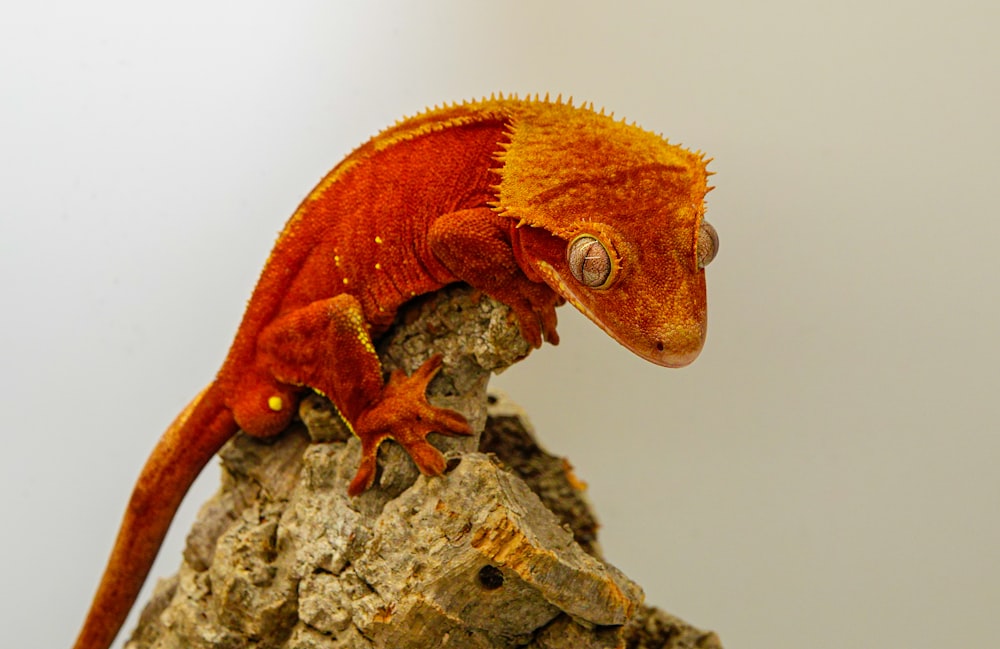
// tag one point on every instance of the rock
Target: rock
(499, 552)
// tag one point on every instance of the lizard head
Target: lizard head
(611, 217)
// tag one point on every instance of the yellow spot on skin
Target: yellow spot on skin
(378, 239)
(336, 259)
(378, 266)
(345, 281)
(275, 403)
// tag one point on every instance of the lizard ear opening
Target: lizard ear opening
(590, 262)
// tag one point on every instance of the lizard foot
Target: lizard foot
(536, 314)
(403, 414)
(534, 307)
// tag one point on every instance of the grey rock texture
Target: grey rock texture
(499, 552)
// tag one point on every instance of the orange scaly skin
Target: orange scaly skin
(532, 202)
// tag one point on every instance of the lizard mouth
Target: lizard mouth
(676, 345)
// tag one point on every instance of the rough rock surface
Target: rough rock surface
(500, 552)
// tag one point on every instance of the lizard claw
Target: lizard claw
(403, 414)
(536, 315)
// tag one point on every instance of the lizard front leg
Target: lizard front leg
(327, 346)
(475, 245)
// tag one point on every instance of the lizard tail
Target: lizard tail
(183, 450)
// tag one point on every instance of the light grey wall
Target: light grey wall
(825, 475)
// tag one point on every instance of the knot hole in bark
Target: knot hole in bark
(490, 577)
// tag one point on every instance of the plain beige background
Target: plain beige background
(825, 475)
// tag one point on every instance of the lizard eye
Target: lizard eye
(708, 244)
(589, 261)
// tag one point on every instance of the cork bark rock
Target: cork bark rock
(499, 552)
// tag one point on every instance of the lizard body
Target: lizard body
(533, 202)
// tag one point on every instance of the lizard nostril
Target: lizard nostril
(659, 345)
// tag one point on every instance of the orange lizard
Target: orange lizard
(531, 201)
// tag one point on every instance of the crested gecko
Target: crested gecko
(534, 202)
